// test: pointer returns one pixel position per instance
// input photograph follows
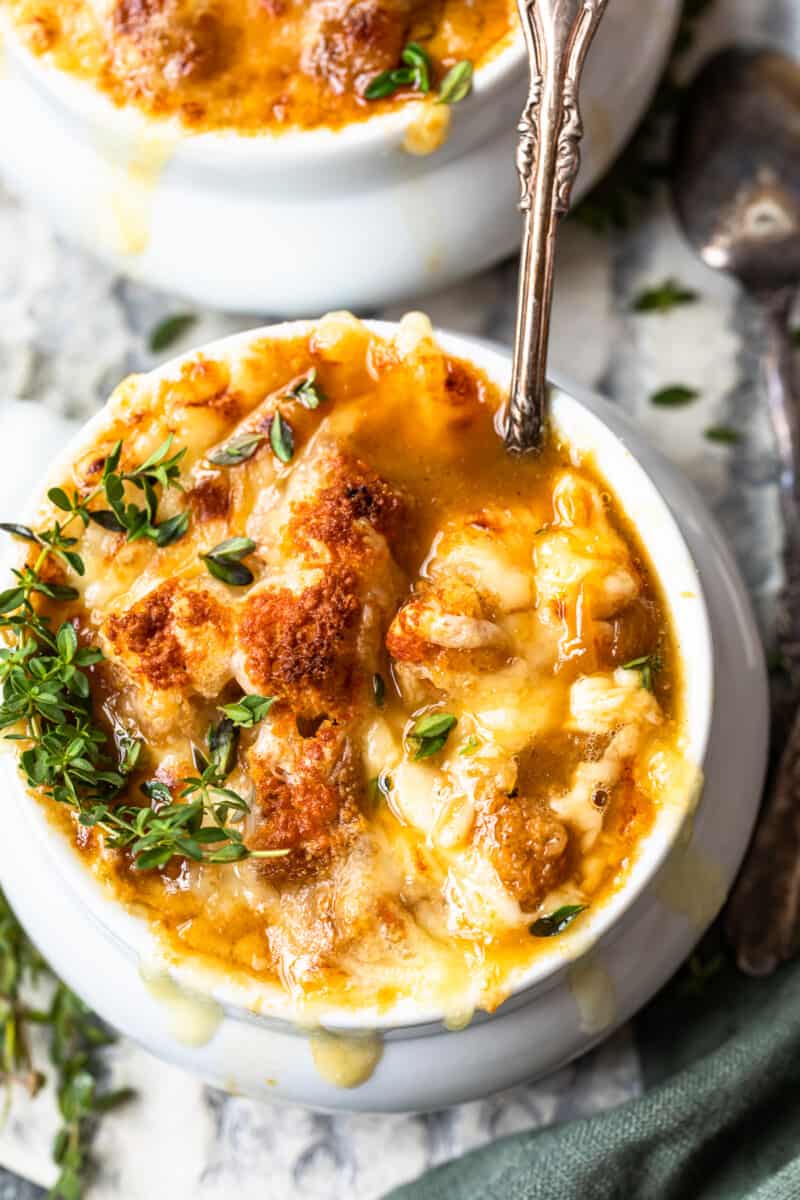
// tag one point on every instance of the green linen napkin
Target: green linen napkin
(719, 1120)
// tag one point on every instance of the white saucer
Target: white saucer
(425, 1067)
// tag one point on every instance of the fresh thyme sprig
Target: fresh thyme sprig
(122, 516)
(20, 963)
(647, 666)
(200, 827)
(415, 73)
(47, 697)
(75, 1038)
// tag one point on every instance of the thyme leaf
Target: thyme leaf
(430, 733)
(237, 450)
(646, 665)
(724, 435)
(224, 562)
(415, 74)
(677, 395)
(663, 298)
(457, 83)
(556, 922)
(169, 331)
(307, 392)
(281, 438)
(248, 711)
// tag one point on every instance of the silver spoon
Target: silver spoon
(736, 189)
(558, 34)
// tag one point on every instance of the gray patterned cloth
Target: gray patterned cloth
(69, 329)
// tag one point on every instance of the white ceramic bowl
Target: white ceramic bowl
(309, 221)
(576, 991)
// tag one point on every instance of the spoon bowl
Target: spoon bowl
(736, 180)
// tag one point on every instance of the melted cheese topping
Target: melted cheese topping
(252, 65)
(398, 540)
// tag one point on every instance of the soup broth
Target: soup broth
(429, 699)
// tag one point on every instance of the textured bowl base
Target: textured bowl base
(536, 1032)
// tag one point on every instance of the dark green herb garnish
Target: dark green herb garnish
(796, 336)
(19, 963)
(201, 825)
(415, 74)
(668, 295)
(248, 711)
(75, 1037)
(647, 665)
(20, 531)
(379, 690)
(223, 747)
(470, 746)
(457, 83)
(172, 530)
(307, 392)
(160, 470)
(169, 331)
(418, 60)
(379, 788)
(722, 434)
(675, 396)
(130, 751)
(430, 733)
(225, 561)
(237, 450)
(281, 438)
(47, 705)
(557, 921)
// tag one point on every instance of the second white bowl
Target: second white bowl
(311, 221)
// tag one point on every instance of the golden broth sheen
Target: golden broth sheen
(257, 65)
(400, 540)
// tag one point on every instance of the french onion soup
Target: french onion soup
(341, 697)
(255, 65)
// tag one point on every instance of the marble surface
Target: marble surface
(69, 329)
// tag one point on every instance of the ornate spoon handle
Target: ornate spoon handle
(558, 34)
